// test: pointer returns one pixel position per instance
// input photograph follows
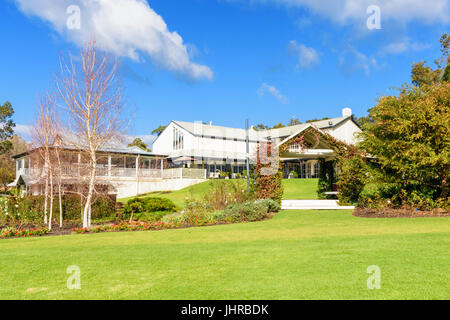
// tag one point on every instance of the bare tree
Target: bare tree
(93, 102)
(44, 133)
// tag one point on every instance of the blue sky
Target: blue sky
(266, 60)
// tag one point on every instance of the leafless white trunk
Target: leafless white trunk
(92, 98)
(44, 134)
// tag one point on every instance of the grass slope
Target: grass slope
(197, 191)
(300, 189)
(297, 255)
(293, 189)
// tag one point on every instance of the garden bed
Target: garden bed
(123, 227)
(399, 213)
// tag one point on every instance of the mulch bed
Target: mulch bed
(399, 213)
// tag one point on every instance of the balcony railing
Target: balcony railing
(116, 172)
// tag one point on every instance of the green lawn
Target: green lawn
(297, 255)
(196, 191)
(293, 189)
(300, 189)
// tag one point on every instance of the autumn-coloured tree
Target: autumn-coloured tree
(92, 96)
(410, 137)
(268, 176)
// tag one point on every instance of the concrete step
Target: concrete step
(313, 205)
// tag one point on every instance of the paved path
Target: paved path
(313, 205)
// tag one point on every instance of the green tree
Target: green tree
(446, 76)
(278, 126)
(7, 164)
(422, 75)
(159, 130)
(314, 120)
(6, 127)
(294, 122)
(140, 144)
(410, 137)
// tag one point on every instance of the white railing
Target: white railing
(75, 171)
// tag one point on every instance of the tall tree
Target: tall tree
(294, 122)
(44, 134)
(410, 137)
(140, 144)
(159, 130)
(93, 99)
(6, 127)
(7, 164)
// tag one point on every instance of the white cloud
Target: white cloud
(23, 130)
(403, 46)
(265, 88)
(128, 28)
(346, 11)
(307, 57)
(351, 60)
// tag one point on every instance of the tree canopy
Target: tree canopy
(159, 130)
(140, 144)
(6, 127)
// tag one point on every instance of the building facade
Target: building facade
(222, 149)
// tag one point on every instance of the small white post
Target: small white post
(109, 165)
(162, 168)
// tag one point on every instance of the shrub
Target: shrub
(222, 194)
(141, 205)
(249, 211)
(151, 216)
(159, 204)
(30, 209)
(351, 180)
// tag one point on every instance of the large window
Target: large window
(178, 139)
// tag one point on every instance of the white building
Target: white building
(187, 153)
(217, 148)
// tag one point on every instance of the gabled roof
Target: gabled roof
(306, 126)
(218, 131)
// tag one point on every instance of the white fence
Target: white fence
(174, 173)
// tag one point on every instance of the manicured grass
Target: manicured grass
(293, 189)
(197, 191)
(297, 255)
(300, 189)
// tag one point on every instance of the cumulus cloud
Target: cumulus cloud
(265, 88)
(346, 11)
(307, 57)
(128, 28)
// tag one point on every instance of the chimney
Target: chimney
(347, 112)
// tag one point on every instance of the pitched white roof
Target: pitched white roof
(236, 133)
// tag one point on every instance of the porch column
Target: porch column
(162, 167)
(137, 165)
(109, 165)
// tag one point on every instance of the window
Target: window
(178, 139)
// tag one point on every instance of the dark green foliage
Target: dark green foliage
(140, 205)
(446, 76)
(326, 178)
(31, 208)
(351, 179)
(6, 127)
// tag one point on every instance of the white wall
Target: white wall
(346, 132)
(132, 188)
